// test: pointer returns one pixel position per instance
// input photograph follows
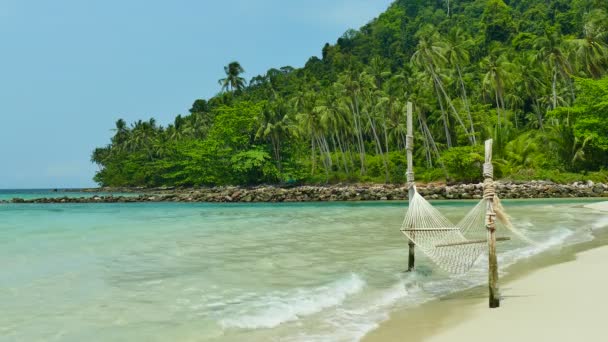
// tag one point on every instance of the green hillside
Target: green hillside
(527, 73)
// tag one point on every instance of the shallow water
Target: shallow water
(232, 272)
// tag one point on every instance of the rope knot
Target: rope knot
(489, 189)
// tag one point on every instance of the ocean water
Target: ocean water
(233, 272)
(9, 194)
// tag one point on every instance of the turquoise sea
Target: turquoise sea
(233, 272)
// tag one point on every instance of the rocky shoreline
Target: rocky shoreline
(351, 192)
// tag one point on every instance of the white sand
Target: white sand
(564, 302)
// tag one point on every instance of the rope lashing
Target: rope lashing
(409, 146)
(409, 142)
(410, 178)
(489, 189)
(488, 170)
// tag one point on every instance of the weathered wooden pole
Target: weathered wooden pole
(411, 261)
(488, 194)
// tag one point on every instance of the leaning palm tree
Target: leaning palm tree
(551, 52)
(499, 75)
(457, 47)
(233, 81)
(349, 85)
(430, 58)
(591, 51)
(273, 126)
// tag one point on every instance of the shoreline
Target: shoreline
(531, 289)
(329, 193)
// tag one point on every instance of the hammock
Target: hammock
(453, 247)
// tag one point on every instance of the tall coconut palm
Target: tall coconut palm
(457, 47)
(334, 116)
(375, 115)
(308, 119)
(349, 85)
(273, 126)
(590, 51)
(551, 52)
(121, 135)
(499, 74)
(430, 57)
(233, 81)
(533, 87)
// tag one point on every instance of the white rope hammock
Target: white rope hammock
(453, 247)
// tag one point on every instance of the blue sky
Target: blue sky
(70, 68)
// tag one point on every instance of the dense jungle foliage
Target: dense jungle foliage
(527, 73)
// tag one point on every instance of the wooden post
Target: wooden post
(411, 261)
(489, 193)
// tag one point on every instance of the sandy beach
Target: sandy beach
(560, 302)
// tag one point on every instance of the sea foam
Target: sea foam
(352, 321)
(272, 310)
(600, 224)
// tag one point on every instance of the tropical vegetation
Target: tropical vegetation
(529, 74)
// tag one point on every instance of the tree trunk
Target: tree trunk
(466, 104)
(342, 154)
(451, 105)
(357, 123)
(312, 154)
(379, 145)
(554, 88)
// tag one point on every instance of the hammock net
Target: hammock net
(454, 247)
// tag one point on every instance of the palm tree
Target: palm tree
(458, 44)
(233, 81)
(349, 86)
(334, 116)
(273, 126)
(308, 118)
(533, 86)
(591, 51)
(499, 75)
(375, 114)
(522, 152)
(121, 135)
(567, 145)
(430, 57)
(551, 52)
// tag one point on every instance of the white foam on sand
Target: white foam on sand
(601, 206)
(600, 224)
(271, 310)
(352, 322)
